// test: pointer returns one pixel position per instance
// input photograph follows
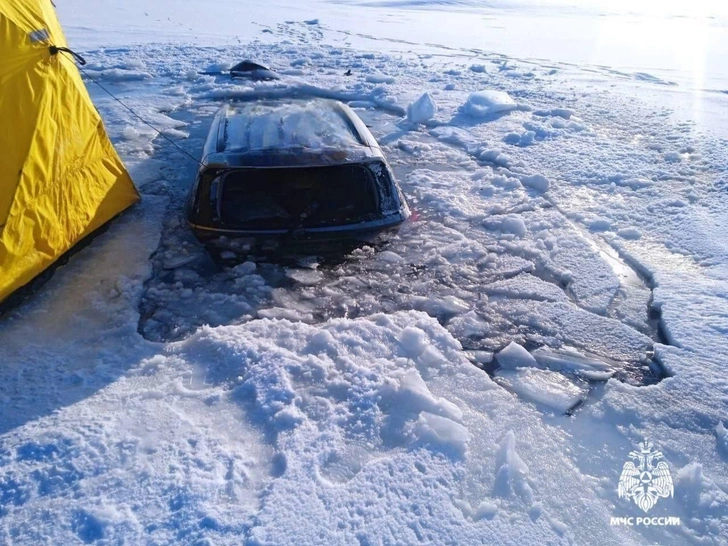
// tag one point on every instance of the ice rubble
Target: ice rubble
(545, 387)
(119, 74)
(422, 110)
(379, 78)
(527, 138)
(536, 181)
(511, 471)
(487, 103)
(515, 356)
(570, 360)
(519, 371)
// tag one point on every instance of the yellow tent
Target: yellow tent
(60, 177)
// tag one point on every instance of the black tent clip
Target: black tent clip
(56, 50)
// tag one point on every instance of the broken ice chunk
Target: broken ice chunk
(442, 432)
(537, 181)
(422, 110)
(569, 360)
(544, 387)
(391, 257)
(413, 340)
(515, 356)
(306, 277)
(488, 103)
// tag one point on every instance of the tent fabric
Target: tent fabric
(60, 177)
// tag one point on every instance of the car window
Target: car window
(293, 198)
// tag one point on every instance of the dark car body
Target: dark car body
(278, 174)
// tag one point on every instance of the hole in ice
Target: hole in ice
(486, 286)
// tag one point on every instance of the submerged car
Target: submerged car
(276, 175)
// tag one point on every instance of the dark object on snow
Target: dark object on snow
(348, 72)
(301, 173)
(253, 71)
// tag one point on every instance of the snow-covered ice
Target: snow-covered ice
(536, 181)
(558, 295)
(487, 103)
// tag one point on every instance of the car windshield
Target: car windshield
(291, 198)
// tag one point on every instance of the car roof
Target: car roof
(288, 133)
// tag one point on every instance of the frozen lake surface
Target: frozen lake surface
(679, 43)
(558, 296)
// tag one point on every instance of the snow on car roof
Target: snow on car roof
(310, 124)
